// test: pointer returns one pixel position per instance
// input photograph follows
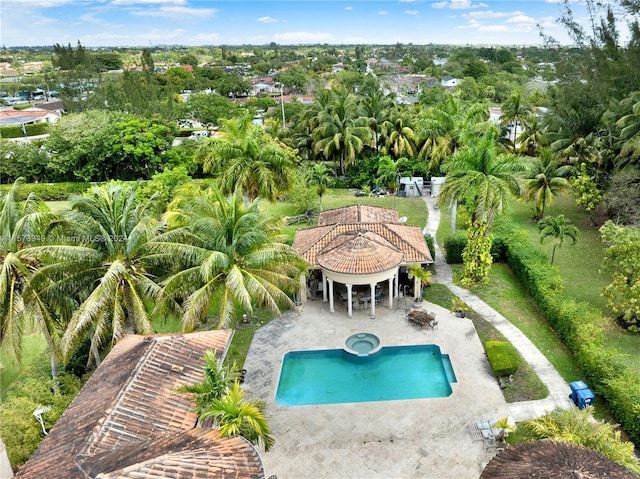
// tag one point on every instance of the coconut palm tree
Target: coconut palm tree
(102, 266)
(21, 224)
(375, 105)
(482, 175)
(218, 380)
(515, 111)
(341, 131)
(544, 180)
(236, 416)
(228, 257)
(247, 158)
(440, 129)
(389, 172)
(557, 228)
(400, 138)
(318, 175)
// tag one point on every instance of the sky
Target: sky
(142, 23)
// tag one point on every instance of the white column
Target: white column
(331, 308)
(324, 288)
(303, 288)
(391, 293)
(373, 300)
(349, 302)
(397, 279)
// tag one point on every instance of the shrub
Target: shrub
(15, 131)
(454, 246)
(50, 191)
(503, 358)
(431, 246)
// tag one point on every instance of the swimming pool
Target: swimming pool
(336, 376)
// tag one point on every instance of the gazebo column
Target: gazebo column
(303, 288)
(397, 288)
(331, 308)
(391, 294)
(373, 300)
(349, 302)
(324, 288)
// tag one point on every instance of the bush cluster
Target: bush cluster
(454, 246)
(581, 328)
(503, 358)
(431, 246)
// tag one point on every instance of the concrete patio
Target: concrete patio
(389, 439)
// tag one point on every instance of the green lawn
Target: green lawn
(33, 345)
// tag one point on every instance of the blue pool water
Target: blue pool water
(336, 376)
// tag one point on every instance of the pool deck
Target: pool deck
(388, 439)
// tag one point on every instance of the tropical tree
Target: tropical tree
(400, 138)
(341, 131)
(236, 416)
(515, 112)
(318, 175)
(375, 105)
(557, 228)
(248, 159)
(101, 267)
(441, 128)
(228, 258)
(621, 259)
(22, 224)
(544, 180)
(218, 380)
(577, 426)
(389, 172)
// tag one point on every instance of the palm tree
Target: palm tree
(227, 256)
(400, 138)
(557, 228)
(375, 105)
(389, 172)
(235, 416)
(102, 267)
(441, 128)
(318, 175)
(482, 175)
(515, 112)
(23, 223)
(217, 382)
(341, 131)
(577, 426)
(247, 158)
(544, 180)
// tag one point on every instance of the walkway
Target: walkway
(558, 388)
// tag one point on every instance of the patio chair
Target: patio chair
(433, 324)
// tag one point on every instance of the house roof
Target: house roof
(383, 222)
(553, 460)
(128, 416)
(359, 252)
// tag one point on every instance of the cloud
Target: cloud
(37, 3)
(520, 19)
(490, 14)
(348, 8)
(303, 37)
(174, 12)
(412, 12)
(459, 5)
(149, 2)
(383, 12)
(267, 20)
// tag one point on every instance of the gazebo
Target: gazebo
(360, 245)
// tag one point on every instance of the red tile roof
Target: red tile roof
(359, 252)
(130, 405)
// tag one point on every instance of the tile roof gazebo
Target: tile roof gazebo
(360, 245)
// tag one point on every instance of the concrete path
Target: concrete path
(558, 388)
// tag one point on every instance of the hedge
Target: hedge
(32, 129)
(48, 191)
(454, 246)
(431, 246)
(503, 358)
(581, 328)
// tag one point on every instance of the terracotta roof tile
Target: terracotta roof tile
(358, 214)
(130, 400)
(359, 252)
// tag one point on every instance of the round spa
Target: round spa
(362, 344)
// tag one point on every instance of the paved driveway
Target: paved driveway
(423, 438)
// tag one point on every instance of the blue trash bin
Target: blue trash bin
(581, 395)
